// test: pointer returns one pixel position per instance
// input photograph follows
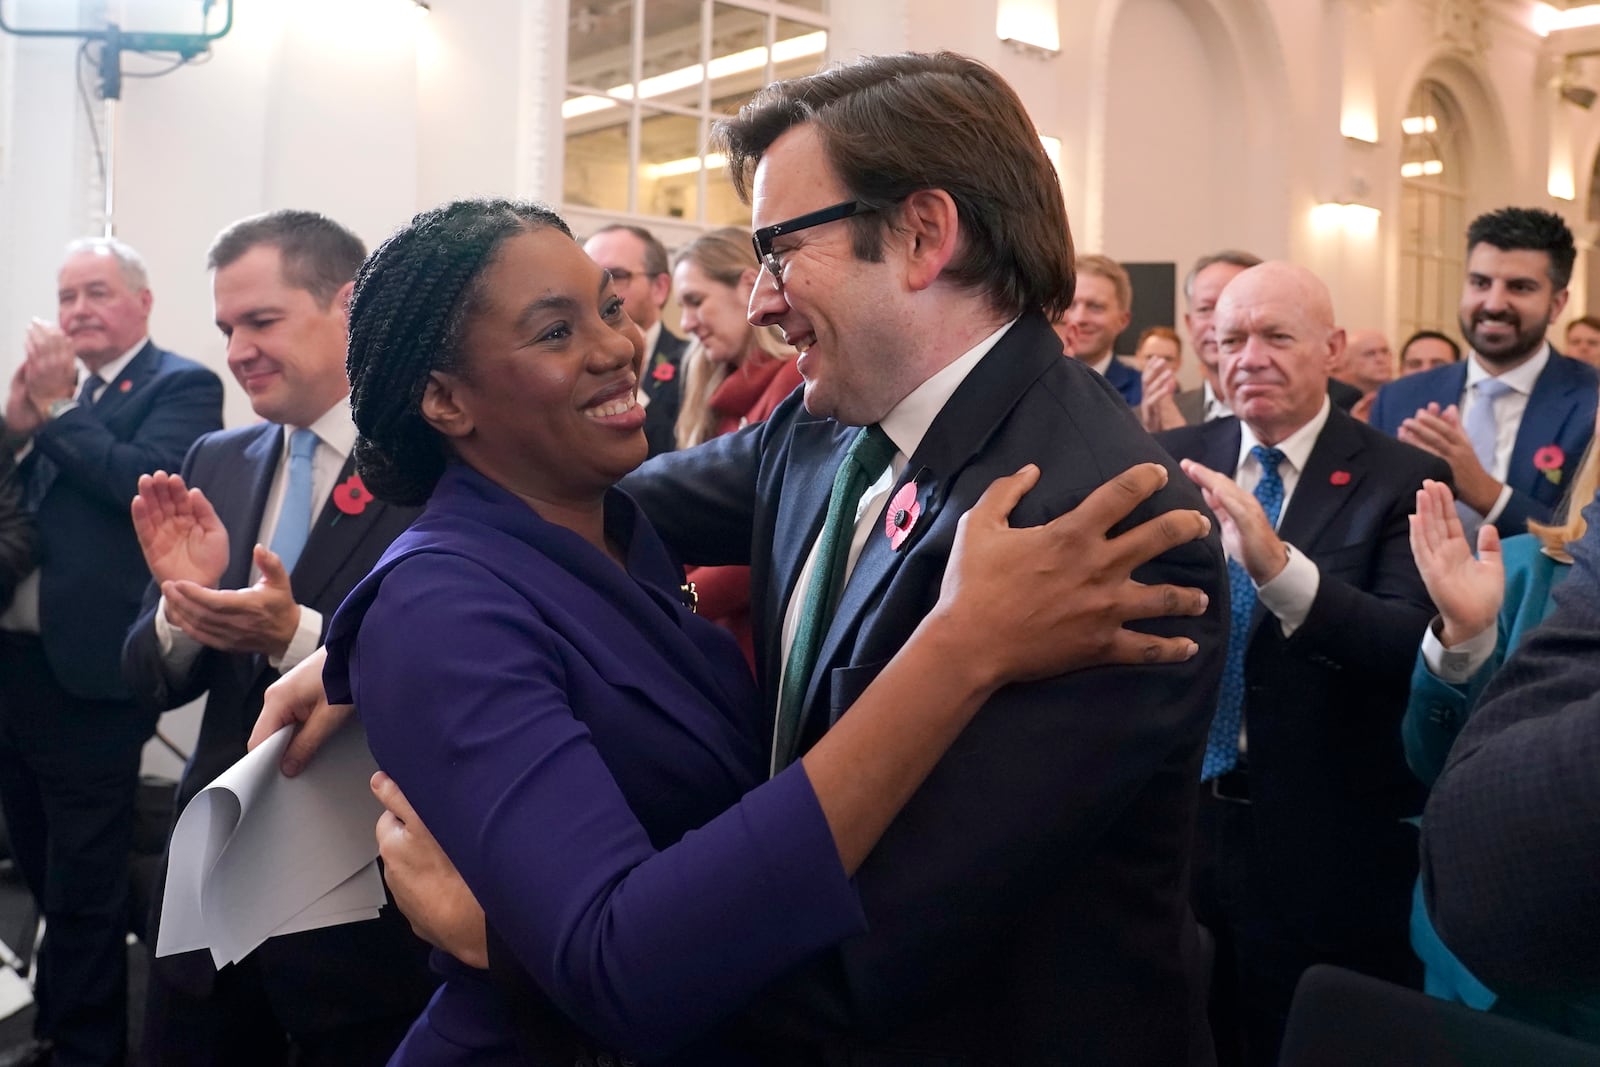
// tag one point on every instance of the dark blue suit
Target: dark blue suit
(335, 981)
(1512, 834)
(1127, 380)
(1029, 905)
(1318, 867)
(1560, 412)
(70, 735)
(662, 381)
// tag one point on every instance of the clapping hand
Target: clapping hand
(179, 532)
(1438, 430)
(1247, 536)
(1468, 591)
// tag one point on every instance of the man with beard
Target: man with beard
(1513, 419)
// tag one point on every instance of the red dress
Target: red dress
(745, 397)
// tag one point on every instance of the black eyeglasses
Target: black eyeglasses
(623, 277)
(763, 238)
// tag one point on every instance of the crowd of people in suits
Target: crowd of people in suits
(1086, 714)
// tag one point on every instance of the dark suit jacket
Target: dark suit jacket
(88, 462)
(19, 538)
(1127, 380)
(662, 382)
(1561, 411)
(1029, 904)
(1511, 842)
(320, 978)
(1328, 778)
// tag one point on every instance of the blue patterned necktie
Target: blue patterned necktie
(91, 385)
(1222, 746)
(294, 518)
(869, 455)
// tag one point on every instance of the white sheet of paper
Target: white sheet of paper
(256, 854)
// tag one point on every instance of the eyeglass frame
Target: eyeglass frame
(762, 239)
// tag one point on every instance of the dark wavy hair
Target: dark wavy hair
(413, 298)
(1517, 229)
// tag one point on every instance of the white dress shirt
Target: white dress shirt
(651, 336)
(336, 438)
(1508, 412)
(1214, 407)
(906, 426)
(1289, 594)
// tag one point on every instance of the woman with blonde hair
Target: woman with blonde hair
(1486, 604)
(735, 374)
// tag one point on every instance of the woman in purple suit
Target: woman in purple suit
(589, 753)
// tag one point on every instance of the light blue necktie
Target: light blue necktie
(1480, 425)
(1482, 430)
(294, 519)
(1222, 746)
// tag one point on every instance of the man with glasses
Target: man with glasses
(637, 263)
(1029, 904)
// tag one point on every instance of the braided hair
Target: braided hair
(413, 298)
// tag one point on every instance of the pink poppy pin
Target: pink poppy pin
(664, 372)
(1339, 478)
(902, 515)
(1550, 459)
(124, 386)
(351, 496)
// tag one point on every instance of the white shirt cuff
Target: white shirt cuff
(1289, 595)
(1456, 666)
(307, 636)
(1499, 505)
(178, 649)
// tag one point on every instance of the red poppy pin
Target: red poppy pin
(351, 496)
(904, 510)
(124, 386)
(1339, 478)
(664, 372)
(1550, 459)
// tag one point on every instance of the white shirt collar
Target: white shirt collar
(112, 370)
(651, 337)
(1296, 448)
(1521, 378)
(908, 423)
(335, 428)
(1215, 407)
(1102, 365)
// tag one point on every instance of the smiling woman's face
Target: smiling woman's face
(546, 404)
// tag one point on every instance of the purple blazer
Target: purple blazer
(590, 754)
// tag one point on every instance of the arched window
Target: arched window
(1433, 210)
(645, 80)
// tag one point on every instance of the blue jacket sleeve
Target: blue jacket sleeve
(184, 405)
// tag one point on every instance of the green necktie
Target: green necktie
(867, 459)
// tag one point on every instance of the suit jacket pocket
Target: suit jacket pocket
(846, 684)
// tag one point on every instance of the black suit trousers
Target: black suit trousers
(69, 769)
(1260, 950)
